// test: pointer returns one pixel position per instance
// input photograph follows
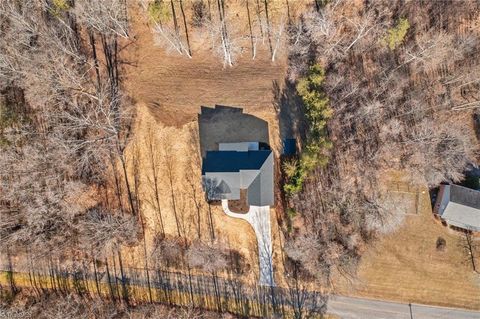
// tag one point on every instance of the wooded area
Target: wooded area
(401, 81)
(372, 86)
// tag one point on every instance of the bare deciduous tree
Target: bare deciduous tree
(211, 257)
(471, 248)
(153, 178)
(107, 17)
(168, 251)
(169, 160)
(103, 232)
(392, 110)
(77, 125)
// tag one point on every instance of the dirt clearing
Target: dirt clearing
(174, 87)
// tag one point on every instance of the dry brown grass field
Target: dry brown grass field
(406, 266)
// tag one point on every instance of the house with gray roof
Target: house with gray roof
(239, 166)
(459, 207)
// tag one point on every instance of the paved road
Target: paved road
(259, 218)
(359, 308)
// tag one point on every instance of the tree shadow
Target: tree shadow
(289, 108)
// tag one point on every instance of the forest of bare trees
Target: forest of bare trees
(72, 307)
(55, 159)
(402, 82)
(228, 29)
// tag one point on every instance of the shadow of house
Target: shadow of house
(226, 124)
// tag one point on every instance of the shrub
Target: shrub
(441, 244)
(291, 212)
(290, 167)
(397, 34)
(59, 6)
(10, 116)
(158, 11)
(472, 182)
(200, 13)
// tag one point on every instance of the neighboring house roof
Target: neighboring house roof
(225, 173)
(459, 206)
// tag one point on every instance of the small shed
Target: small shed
(289, 146)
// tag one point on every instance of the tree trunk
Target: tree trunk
(250, 28)
(259, 17)
(95, 273)
(268, 28)
(145, 254)
(471, 252)
(123, 279)
(186, 29)
(175, 22)
(225, 41)
(172, 194)
(127, 185)
(209, 10)
(91, 37)
(10, 274)
(118, 189)
(212, 229)
(288, 11)
(112, 293)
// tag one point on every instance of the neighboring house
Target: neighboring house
(459, 207)
(238, 166)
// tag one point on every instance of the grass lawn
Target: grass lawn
(406, 266)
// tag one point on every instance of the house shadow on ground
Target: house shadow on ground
(226, 124)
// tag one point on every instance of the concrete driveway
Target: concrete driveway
(259, 218)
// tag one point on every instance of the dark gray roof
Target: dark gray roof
(465, 196)
(233, 161)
